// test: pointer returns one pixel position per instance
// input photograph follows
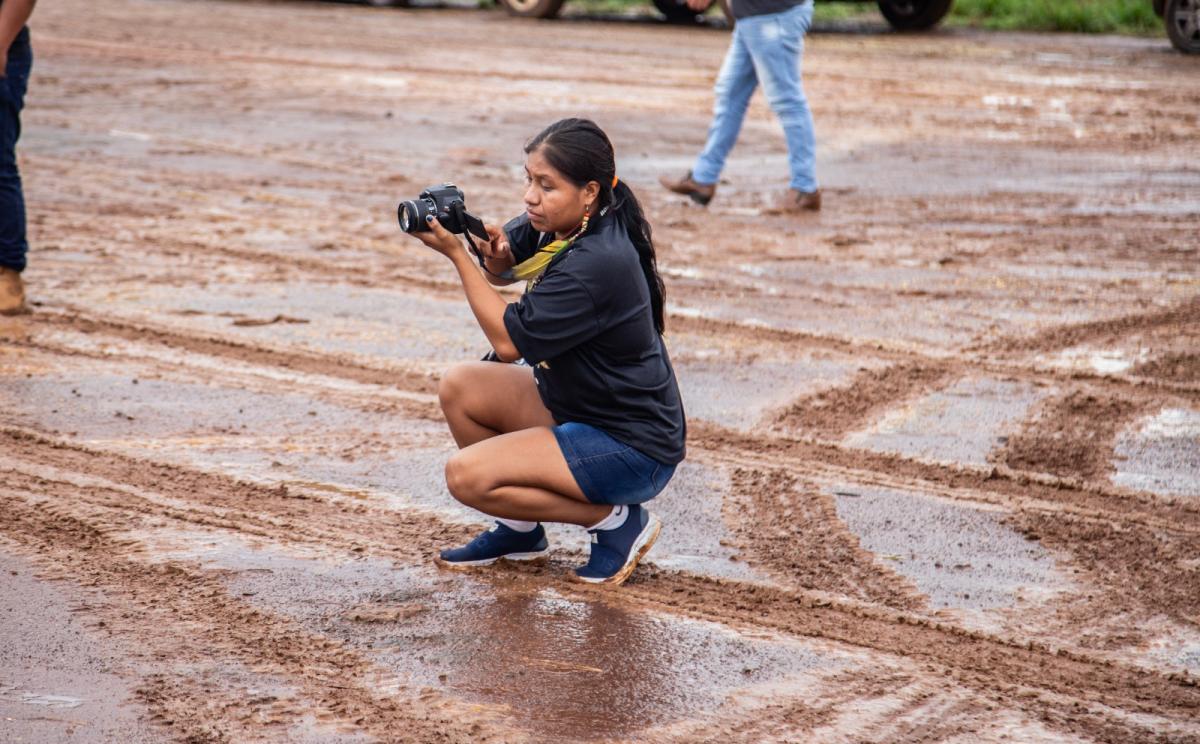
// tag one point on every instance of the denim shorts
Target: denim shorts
(608, 471)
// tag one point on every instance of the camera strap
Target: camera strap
(473, 224)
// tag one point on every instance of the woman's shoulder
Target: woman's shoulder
(607, 243)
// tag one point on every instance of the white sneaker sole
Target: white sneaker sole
(641, 546)
(464, 565)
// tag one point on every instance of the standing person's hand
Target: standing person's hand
(699, 6)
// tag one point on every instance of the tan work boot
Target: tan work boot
(12, 293)
(796, 202)
(701, 193)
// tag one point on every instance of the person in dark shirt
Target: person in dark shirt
(590, 425)
(766, 47)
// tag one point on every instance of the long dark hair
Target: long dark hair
(582, 152)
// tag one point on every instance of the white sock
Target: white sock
(518, 525)
(615, 519)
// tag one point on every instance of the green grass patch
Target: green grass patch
(1084, 16)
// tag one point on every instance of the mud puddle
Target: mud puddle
(557, 665)
(962, 556)
(960, 424)
(1161, 454)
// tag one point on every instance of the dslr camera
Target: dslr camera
(448, 204)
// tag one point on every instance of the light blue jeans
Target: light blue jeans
(766, 49)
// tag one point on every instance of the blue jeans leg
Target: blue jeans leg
(735, 84)
(778, 53)
(765, 49)
(13, 245)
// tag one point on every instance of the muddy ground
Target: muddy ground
(944, 471)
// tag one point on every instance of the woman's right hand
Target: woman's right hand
(496, 250)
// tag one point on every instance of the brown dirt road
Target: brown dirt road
(944, 472)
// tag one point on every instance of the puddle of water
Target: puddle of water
(564, 668)
(39, 698)
(961, 424)
(1103, 361)
(1161, 454)
(961, 556)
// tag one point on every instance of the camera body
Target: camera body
(447, 203)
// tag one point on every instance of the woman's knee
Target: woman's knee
(466, 478)
(454, 386)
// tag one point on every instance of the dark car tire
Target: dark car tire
(1183, 25)
(914, 15)
(676, 11)
(533, 8)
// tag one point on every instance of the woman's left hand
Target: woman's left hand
(440, 239)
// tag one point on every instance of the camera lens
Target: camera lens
(409, 215)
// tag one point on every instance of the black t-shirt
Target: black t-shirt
(747, 8)
(588, 331)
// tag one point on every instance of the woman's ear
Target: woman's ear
(591, 193)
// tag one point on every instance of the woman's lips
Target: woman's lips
(533, 216)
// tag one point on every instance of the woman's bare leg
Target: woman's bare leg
(510, 465)
(521, 475)
(484, 399)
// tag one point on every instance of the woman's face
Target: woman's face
(553, 203)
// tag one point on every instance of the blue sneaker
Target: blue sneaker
(615, 553)
(498, 542)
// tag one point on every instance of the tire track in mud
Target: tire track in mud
(334, 678)
(1186, 313)
(805, 456)
(870, 393)
(995, 667)
(1139, 551)
(1037, 498)
(1000, 486)
(315, 363)
(791, 530)
(1072, 435)
(835, 412)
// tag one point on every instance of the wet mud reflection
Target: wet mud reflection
(562, 667)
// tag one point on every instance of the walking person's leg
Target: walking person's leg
(735, 85)
(777, 51)
(13, 244)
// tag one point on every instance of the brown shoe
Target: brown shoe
(12, 293)
(796, 202)
(701, 193)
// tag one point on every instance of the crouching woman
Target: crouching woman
(591, 426)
